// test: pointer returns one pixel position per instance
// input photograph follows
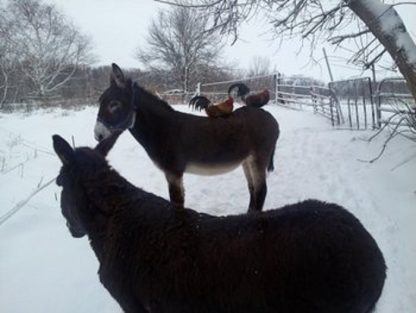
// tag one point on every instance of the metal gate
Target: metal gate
(356, 101)
(395, 104)
(297, 94)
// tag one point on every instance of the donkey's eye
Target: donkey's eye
(114, 105)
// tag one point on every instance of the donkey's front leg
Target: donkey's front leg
(176, 190)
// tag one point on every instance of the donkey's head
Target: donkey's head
(79, 166)
(116, 112)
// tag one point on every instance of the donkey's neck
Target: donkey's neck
(150, 105)
(153, 117)
(110, 195)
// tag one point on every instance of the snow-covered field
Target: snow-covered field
(43, 269)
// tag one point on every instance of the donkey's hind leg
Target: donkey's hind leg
(249, 179)
(255, 173)
(176, 190)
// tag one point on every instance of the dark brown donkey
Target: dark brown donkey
(178, 142)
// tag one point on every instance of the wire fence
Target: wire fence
(353, 103)
(356, 102)
(293, 92)
(391, 98)
(21, 163)
(301, 94)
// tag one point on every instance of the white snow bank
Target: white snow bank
(44, 269)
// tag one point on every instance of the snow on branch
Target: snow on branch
(22, 203)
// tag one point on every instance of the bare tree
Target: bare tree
(7, 67)
(179, 43)
(323, 20)
(259, 66)
(4, 62)
(45, 45)
(4, 81)
(4, 84)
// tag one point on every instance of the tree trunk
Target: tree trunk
(4, 88)
(387, 26)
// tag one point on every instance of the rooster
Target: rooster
(223, 108)
(255, 99)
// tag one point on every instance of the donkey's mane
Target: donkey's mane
(146, 96)
(94, 166)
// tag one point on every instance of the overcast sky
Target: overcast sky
(118, 27)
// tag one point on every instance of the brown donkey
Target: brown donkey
(178, 142)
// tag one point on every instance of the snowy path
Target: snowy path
(43, 269)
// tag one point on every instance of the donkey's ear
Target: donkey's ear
(63, 149)
(117, 76)
(105, 145)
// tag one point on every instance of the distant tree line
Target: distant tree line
(45, 59)
(88, 82)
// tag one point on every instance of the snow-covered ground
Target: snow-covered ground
(44, 269)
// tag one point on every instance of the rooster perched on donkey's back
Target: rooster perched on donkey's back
(224, 108)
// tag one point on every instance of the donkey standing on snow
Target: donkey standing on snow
(178, 142)
(309, 257)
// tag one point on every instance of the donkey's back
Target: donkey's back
(305, 257)
(248, 131)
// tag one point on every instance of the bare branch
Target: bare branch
(375, 59)
(189, 5)
(338, 39)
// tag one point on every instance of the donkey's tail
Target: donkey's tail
(270, 167)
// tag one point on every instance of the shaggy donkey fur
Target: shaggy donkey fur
(309, 257)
